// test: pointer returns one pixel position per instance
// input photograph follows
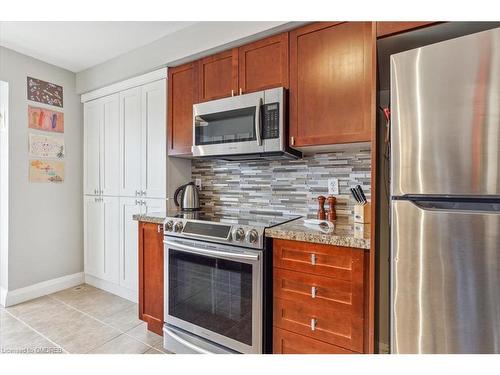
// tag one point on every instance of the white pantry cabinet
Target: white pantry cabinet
(101, 149)
(101, 242)
(129, 263)
(125, 173)
(142, 141)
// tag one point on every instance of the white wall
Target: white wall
(4, 189)
(45, 220)
(197, 40)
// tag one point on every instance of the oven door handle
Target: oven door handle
(258, 122)
(186, 343)
(213, 253)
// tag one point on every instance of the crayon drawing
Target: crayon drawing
(46, 171)
(44, 92)
(46, 146)
(45, 119)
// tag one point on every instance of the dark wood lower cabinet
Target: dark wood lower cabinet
(286, 342)
(151, 275)
(319, 298)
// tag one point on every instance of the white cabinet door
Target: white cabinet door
(91, 146)
(111, 222)
(154, 151)
(93, 236)
(130, 141)
(154, 205)
(110, 145)
(129, 243)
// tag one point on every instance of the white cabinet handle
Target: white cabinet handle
(137, 201)
(232, 92)
(159, 228)
(313, 259)
(143, 193)
(313, 324)
(314, 290)
(136, 193)
(241, 91)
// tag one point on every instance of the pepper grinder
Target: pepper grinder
(321, 208)
(332, 215)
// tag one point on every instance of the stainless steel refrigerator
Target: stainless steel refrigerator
(445, 190)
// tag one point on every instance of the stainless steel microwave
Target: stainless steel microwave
(244, 127)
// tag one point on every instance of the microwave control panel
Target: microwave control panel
(271, 125)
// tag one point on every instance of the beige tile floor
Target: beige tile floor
(83, 319)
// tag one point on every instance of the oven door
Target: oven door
(228, 126)
(215, 292)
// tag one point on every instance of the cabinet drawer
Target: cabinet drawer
(328, 325)
(285, 342)
(319, 291)
(327, 260)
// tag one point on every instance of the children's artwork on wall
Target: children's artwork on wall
(46, 171)
(44, 92)
(46, 146)
(45, 119)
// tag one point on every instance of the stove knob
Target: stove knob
(252, 236)
(239, 234)
(169, 226)
(178, 226)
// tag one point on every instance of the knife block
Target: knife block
(362, 213)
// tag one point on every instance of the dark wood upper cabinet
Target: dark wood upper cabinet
(391, 28)
(332, 83)
(182, 94)
(264, 64)
(218, 75)
(151, 275)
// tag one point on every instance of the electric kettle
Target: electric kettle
(189, 197)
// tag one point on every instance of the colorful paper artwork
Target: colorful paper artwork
(45, 119)
(44, 92)
(46, 146)
(46, 171)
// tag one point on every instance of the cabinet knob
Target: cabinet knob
(232, 92)
(313, 259)
(143, 193)
(241, 91)
(313, 324)
(136, 193)
(292, 141)
(137, 201)
(314, 290)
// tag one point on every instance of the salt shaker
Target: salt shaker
(332, 215)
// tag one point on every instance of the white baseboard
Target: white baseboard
(112, 288)
(13, 297)
(3, 296)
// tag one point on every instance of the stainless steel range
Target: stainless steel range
(218, 290)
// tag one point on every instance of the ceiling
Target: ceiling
(77, 46)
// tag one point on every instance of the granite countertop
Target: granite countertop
(153, 217)
(341, 235)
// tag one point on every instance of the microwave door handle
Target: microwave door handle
(257, 122)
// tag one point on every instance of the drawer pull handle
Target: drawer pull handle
(314, 290)
(313, 324)
(313, 259)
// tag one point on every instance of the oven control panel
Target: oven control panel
(241, 235)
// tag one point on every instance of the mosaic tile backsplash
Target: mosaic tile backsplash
(286, 186)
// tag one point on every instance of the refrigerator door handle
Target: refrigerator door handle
(469, 206)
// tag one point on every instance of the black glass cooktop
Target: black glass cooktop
(262, 219)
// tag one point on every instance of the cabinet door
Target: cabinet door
(151, 275)
(111, 230)
(130, 141)
(182, 94)
(91, 146)
(110, 146)
(154, 205)
(153, 139)
(218, 75)
(285, 342)
(129, 242)
(332, 83)
(264, 64)
(93, 236)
